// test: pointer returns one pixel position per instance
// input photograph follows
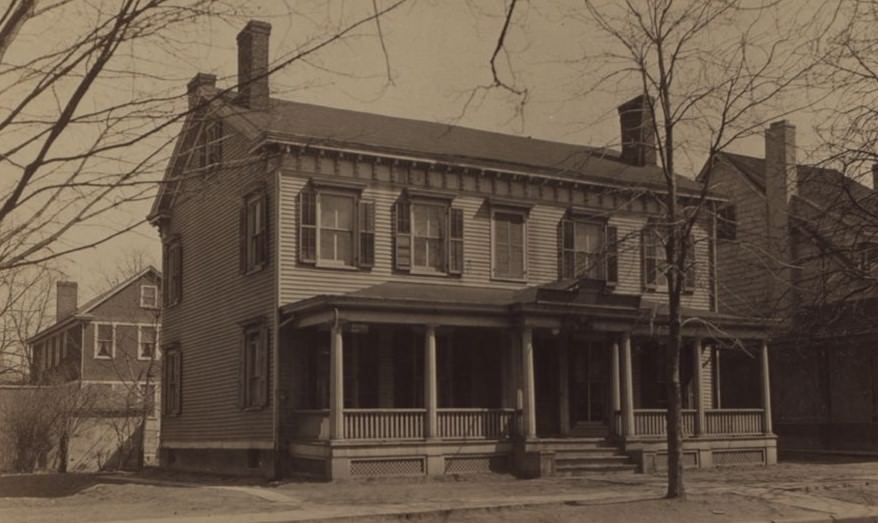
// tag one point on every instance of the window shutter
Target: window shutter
(266, 366)
(166, 363)
(307, 226)
(366, 250)
(242, 372)
(242, 239)
(455, 241)
(265, 241)
(566, 254)
(612, 257)
(178, 370)
(165, 270)
(402, 235)
(689, 277)
(178, 269)
(647, 256)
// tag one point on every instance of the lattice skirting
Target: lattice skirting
(476, 464)
(309, 466)
(728, 458)
(388, 467)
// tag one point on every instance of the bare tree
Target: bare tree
(712, 72)
(86, 129)
(24, 310)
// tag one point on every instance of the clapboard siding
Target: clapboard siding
(217, 299)
(298, 281)
(742, 264)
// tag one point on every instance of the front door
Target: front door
(589, 383)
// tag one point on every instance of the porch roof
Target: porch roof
(546, 305)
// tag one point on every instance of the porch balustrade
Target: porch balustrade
(652, 422)
(734, 421)
(476, 423)
(394, 424)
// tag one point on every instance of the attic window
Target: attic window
(209, 149)
(149, 296)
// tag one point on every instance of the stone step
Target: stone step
(576, 470)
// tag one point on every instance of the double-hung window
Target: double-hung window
(588, 249)
(427, 234)
(147, 342)
(253, 392)
(253, 232)
(509, 234)
(654, 263)
(336, 226)
(105, 341)
(149, 296)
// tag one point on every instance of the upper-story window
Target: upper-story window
(105, 341)
(173, 264)
(428, 235)
(336, 227)
(209, 150)
(510, 245)
(588, 249)
(726, 223)
(147, 342)
(149, 296)
(253, 232)
(654, 264)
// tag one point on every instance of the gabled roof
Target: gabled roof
(85, 310)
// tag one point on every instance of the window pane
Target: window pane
(421, 216)
(327, 245)
(336, 212)
(516, 262)
(344, 247)
(435, 254)
(516, 231)
(501, 260)
(420, 252)
(501, 229)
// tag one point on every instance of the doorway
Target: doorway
(589, 372)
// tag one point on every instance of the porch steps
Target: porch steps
(579, 456)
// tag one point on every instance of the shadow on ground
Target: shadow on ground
(45, 485)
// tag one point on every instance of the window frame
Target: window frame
(254, 244)
(524, 244)
(143, 303)
(442, 240)
(97, 341)
(362, 224)
(355, 200)
(155, 343)
(727, 223)
(599, 255)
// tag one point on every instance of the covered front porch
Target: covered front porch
(374, 386)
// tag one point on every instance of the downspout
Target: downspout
(277, 462)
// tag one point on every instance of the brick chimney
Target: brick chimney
(638, 134)
(66, 296)
(875, 176)
(253, 65)
(202, 84)
(781, 184)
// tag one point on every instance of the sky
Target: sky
(437, 54)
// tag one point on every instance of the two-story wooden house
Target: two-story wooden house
(351, 294)
(108, 349)
(798, 243)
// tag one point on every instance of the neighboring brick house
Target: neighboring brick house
(350, 294)
(798, 243)
(108, 345)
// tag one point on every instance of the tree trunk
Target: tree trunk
(63, 443)
(676, 489)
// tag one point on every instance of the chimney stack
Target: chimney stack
(253, 65)
(781, 184)
(875, 176)
(199, 86)
(638, 133)
(66, 295)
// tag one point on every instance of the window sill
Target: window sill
(106, 358)
(254, 270)
(252, 409)
(335, 266)
(509, 279)
(427, 272)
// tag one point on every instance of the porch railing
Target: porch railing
(652, 422)
(308, 425)
(384, 423)
(476, 423)
(733, 421)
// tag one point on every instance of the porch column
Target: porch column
(527, 370)
(627, 388)
(336, 383)
(430, 403)
(615, 392)
(563, 382)
(766, 391)
(699, 388)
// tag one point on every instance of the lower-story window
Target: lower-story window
(253, 393)
(172, 383)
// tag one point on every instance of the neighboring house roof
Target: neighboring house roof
(84, 311)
